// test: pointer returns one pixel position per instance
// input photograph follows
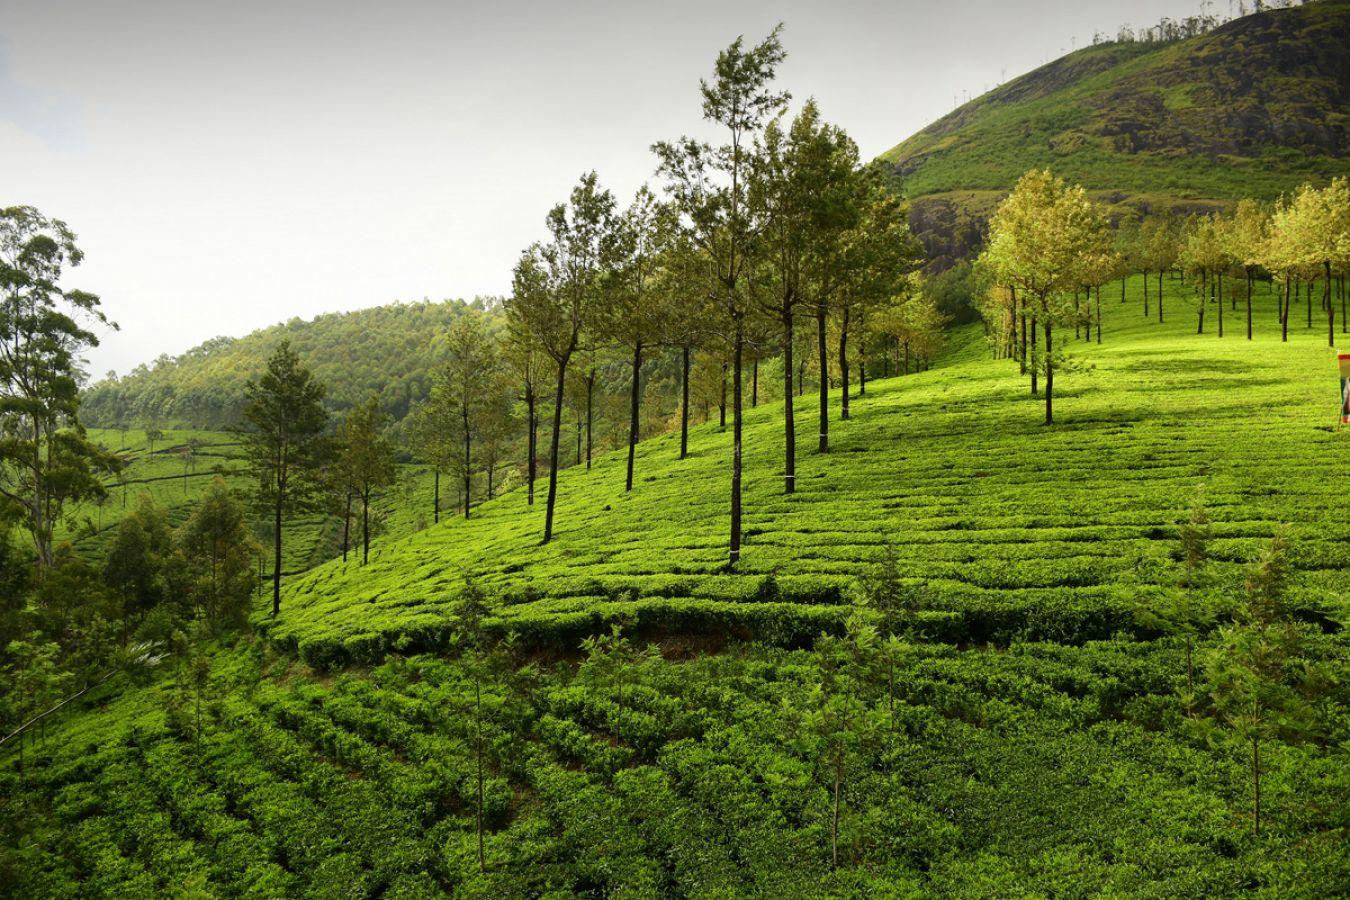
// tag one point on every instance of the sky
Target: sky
(231, 165)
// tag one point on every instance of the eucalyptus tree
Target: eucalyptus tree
(46, 460)
(633, 313)
(1245, 238)
(462, 391)
(1042, 239)
(682, 287)
(365, 458)
(798, 172)
(524, 361)
(1204, 252)
(711, 187)
(284, 444)
(556, 289)
(1312, 232)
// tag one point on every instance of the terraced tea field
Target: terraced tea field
(174, 479)
(1016, 528)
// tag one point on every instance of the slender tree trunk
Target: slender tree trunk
(590, 417)
(1284, 314)
(754, 383)
(789, 414)
(1035, 363)
(684, 402)
(532, 441)
(1249, 303)
(735, 550)
(1331, 309)
(1309, 295)
(1146, 292)
(276, 554)
(365, 524)
(436, 499)
(843, 365)
(1219, 290)
(1204, 298)
(1099, 314)
(824, 445)
(1049, 378)
(553, 453)
(1160, 297)
(346, 525)
(633, 400)
(722, 401)
(468, 463)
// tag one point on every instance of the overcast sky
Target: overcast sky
(230, 165)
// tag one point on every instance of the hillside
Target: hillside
(1251, 109)
(1029, 740)
(386, 351)
(185, 461)
(1016, 528)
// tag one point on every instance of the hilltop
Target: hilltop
(387, 351)
(1251, 109)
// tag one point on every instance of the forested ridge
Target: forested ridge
(718, 559)
(386, 351)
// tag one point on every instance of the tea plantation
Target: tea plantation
(1024, 737)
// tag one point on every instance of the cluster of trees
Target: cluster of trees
(386, 351)
(778, 222)
(1052, 249)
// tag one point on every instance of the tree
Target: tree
(46, 460)
(137, 566)
(1310, 234)
(555, 294)
(1046, 238)
(1246, 237)
(218, 550)
(633, 314)
(710, 186)
(365, 459)
(523, 359)
(284, 444)
(1159, 246)
(1204, 251)
(1256, 680)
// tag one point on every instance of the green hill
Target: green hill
(185, 461)
(1028, 739)
(386, 351)
(1251, 109)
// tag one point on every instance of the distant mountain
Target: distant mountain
(1250, 109)
(387, 351)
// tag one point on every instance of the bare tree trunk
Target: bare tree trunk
(1331, 309)
(1049, 378)
(735, 550)
(843, 365)
(722, 402)
(633, 401)
(824, 445)
(1249, 303)
(684, 402)
(789, 414)
(590, 417)
(1035, 363)
(436, 500)
(553, 453)
(365, 524)
(754, 383)
(1099, 314)
(276, 554)
(346, 525)
(532, 441)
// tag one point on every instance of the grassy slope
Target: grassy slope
(1225, 115)
(1037, 768)
(308, 541)
(1020, 528)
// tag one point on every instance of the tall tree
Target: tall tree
(633, 312)
(711, 187)
(365, 459)
(284, 444)
(555, 297)
(219, 551)
(1246, 237)
(46, 460)
(1044, 239)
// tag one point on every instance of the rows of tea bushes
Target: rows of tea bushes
(1032, 770)
(1014, 530)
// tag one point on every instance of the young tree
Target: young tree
(1045, 239)
(219, 550)
(284, 444)
(46, 460)
(365, 459)
(555, 298)
(710, 186)
(1312, 236)
(1246, 236)
(138, 564)
(523, 359)
(1204, 252)
(633, 313)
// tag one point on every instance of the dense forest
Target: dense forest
(729, 559)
